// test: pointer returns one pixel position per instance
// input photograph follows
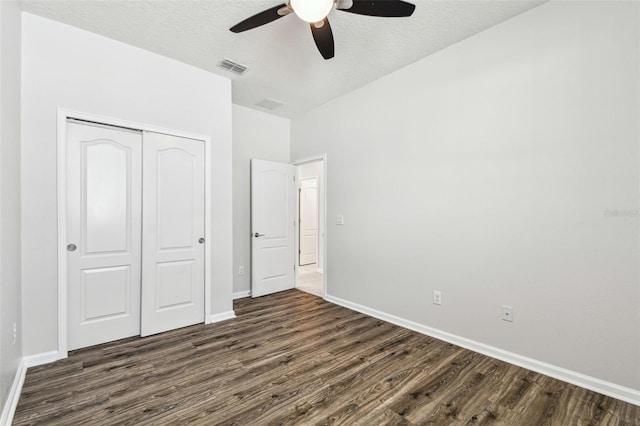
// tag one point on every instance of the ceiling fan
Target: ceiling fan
(315, 12)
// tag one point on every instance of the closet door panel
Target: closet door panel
(173, 221)
(103, 174)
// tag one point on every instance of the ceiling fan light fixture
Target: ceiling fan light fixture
(312, 10)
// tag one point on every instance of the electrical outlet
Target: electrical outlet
(241, 270)
(437, 297)
(507, 313)
(15, 333)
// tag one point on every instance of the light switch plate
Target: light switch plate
(339, 219)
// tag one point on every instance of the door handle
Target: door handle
(72, 247)
(258, 235)
(201, 240)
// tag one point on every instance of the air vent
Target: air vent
(234, 67)
(270, 104)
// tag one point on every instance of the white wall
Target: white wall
(502, 170)
(255, 135)
(70, 68)
(10, 351)
(316, 169)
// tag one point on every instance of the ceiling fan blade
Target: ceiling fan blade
(323, 36)
(261, 18)
(384, 8)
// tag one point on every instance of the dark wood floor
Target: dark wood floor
(291, 358)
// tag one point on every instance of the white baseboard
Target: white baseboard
(18, 381)
(597, 385)
(14, 394)
(222, 316)
(43, 358)
(241, 294)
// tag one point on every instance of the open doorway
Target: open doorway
(311, 225)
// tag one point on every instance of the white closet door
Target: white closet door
(173, 225)
(103, 178)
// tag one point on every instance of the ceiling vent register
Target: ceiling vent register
(269, 104)
(232, 66)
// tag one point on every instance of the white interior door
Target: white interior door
(173, 221)
(272, 227)
(308, 221)
(103, 176)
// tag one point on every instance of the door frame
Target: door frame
(62, 116)
(323, 245)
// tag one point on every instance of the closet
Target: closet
(135, 232)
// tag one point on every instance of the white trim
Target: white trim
(62, 232)
(310, 159)
(320, 270)
(299, 162)
(296, 227)
(208, 220)
(222, 316)
(613, 390)
(241, 294)
(63, 115)
(42, 358)
(14, 394)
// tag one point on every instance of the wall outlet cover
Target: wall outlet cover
(507, 313)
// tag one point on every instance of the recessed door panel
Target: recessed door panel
(103, 177)
(275, 262)
(173, 221)
(175, 201)
(106, 175)
(170, 290)
(105, 293)
(272, 227)
(273, 220)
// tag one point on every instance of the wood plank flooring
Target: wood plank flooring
(293, 359)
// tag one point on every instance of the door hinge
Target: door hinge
(294, 178)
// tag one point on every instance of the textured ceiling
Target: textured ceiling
(281, 56)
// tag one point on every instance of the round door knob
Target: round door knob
(71, 247)
(201, 240)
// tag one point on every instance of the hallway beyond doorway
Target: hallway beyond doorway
(310, 280)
